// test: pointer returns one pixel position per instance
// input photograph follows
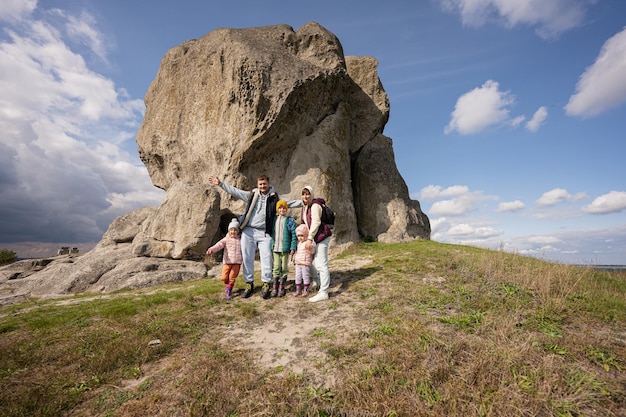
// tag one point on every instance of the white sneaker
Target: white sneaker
(321, 296)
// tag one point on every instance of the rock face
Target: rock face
(238, 103)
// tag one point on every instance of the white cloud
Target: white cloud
(466, 230)
(537, 120)
(511, 206)
(15, 9)
(590, 246)
(559, 195)
(480, 108)
(437, 225)
(517, 121)
(463, 229)
(432, 192)
(603, 85)
(458, 199)
(613, 202)
(486, 232)
(543, 240)
(450, 207)
(81, 29)
(64, 126)
(549, 18)
(571, 245)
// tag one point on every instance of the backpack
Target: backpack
(328, 215)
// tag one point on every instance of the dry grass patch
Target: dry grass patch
(419, 329)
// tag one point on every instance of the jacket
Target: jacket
(312, 215)
(289, 240)
(248, 218)
(303, 256)
(232, 249)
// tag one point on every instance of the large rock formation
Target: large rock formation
(238, 103)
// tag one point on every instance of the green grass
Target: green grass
(442, 330)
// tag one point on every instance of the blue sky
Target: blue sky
(508, 119)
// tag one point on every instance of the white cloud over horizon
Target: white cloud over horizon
(558, 195)
(64, 127)
(612, 202)
(451, 222)
(511, 206)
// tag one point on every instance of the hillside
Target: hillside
(416, 329)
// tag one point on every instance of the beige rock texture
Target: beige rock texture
(238, 103)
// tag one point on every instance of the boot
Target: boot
(266, 290)
(298, 290)
(281, 288)
(305, 292)
(229, 292)
(274, 287)
(249, 289)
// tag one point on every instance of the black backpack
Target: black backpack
(328, 215)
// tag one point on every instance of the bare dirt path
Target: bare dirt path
(289, 337)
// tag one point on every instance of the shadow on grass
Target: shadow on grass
(338, 279)
(343, 279)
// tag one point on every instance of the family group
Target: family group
(266, 226)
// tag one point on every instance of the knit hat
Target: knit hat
(234, 224)
(281, 203)
(309, 189)
(302, 230)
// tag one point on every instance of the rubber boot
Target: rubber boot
(305, 292)
(298, 290)
(281, 289)
(274, 287)
(229, 292)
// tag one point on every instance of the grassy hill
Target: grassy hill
(418, 329)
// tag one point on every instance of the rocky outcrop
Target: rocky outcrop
(238, 103)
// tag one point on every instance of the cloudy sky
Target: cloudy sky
(508, 118)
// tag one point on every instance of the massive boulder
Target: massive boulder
(238, 103)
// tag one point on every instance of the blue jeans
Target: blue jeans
(252, 238)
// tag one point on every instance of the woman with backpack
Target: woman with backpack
(319, 233)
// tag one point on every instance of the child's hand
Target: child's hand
(208, 252)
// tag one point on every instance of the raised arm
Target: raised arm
(234, 191)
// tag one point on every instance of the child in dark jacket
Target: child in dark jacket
(283, 244)
(231, 244)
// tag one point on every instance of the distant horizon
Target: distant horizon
(38, 250)
(85, 248)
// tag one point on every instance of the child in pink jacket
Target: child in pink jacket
(303, 259)
(231, 244)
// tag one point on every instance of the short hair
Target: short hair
(263, 177)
